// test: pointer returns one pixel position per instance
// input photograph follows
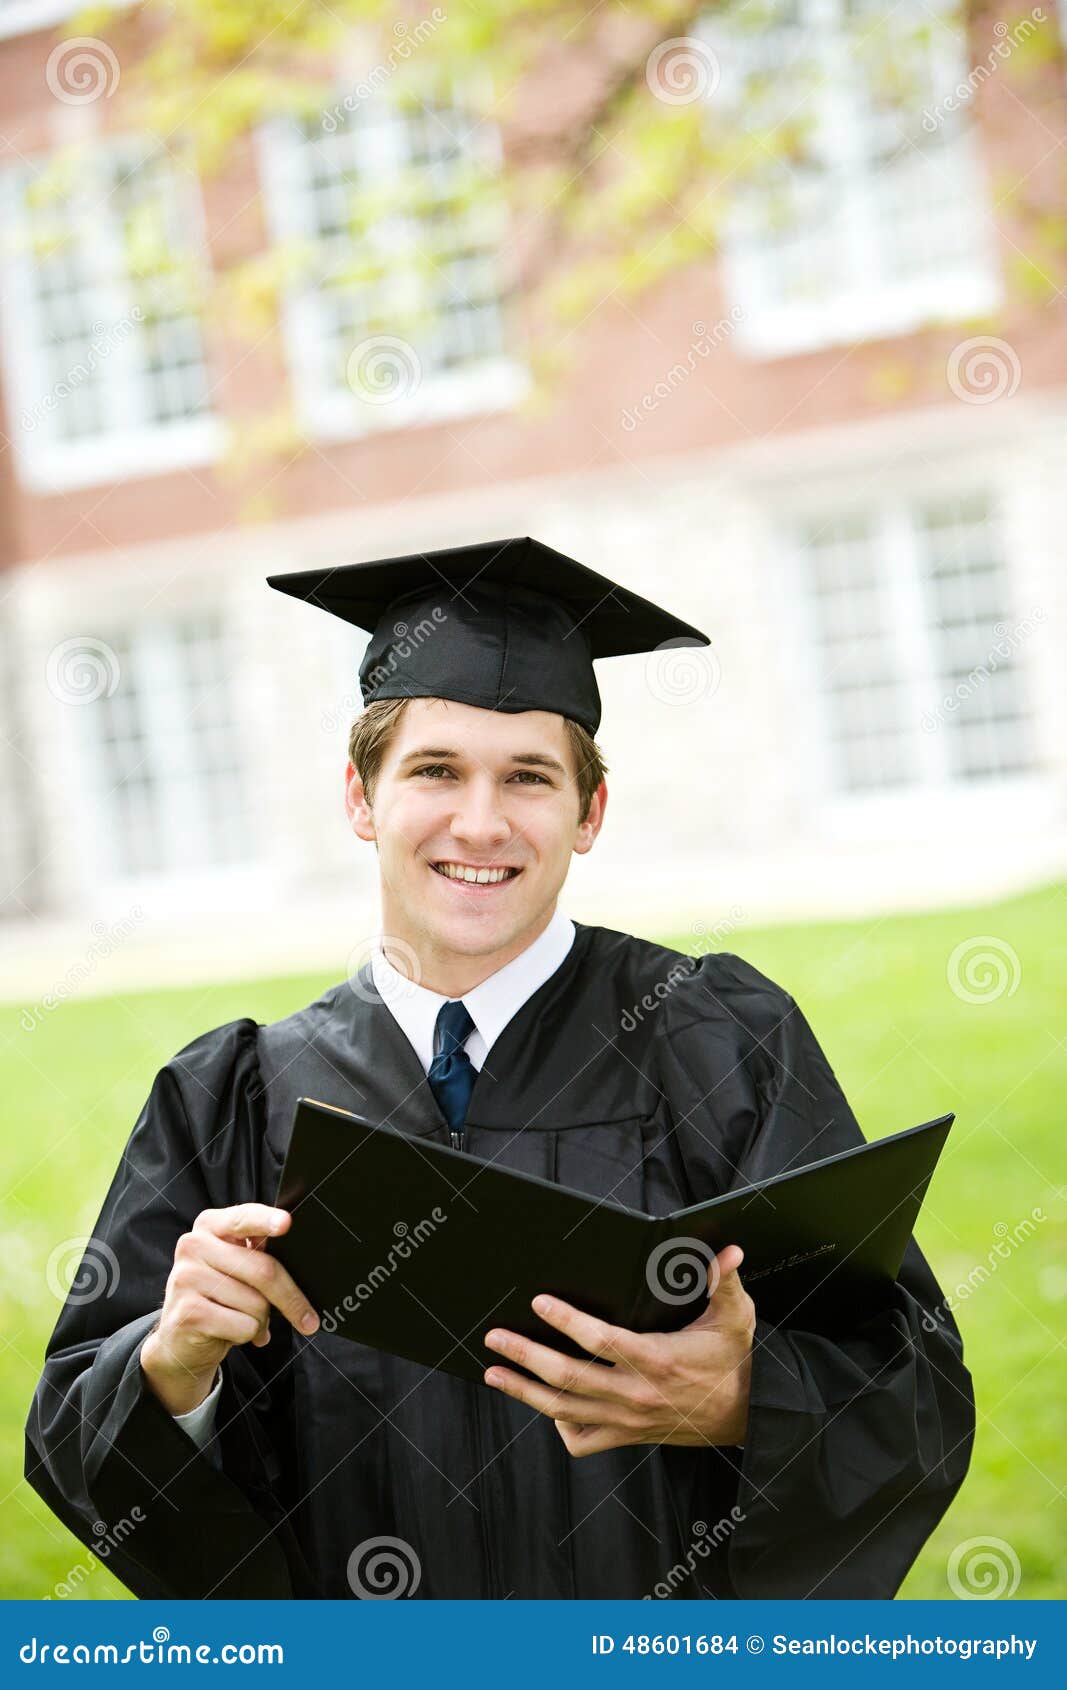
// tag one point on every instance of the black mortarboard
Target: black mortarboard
(506, 625)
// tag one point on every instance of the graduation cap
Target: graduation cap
(505, 625)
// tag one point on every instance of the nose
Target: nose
(479, 818)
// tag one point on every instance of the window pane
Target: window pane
(111, 341)
(861, 689)
(172, 786)
(979, 648)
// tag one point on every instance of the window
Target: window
(391, 215)
(977, 649)
(23, 863)
(22, 17)
(917, 659)
(164, 751)
(860, 208)
(104, 345)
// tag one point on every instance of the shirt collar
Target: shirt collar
(490, 1005)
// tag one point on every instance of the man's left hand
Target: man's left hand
(686, 1387)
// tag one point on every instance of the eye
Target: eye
(433, 770)
(528, 774)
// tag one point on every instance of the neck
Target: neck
(453, 973)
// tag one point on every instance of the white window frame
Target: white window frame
(231, 883)
(941, 796)
(868, 306)
(324, 413)
(50, 465)
(26, 17)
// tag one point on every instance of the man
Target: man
(266, 1456)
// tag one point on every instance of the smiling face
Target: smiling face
(475, 818)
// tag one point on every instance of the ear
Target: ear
(356, 806)
(593, 822)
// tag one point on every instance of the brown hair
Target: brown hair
(370, 734)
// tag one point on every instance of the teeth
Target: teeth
(478, 876)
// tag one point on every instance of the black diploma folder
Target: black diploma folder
(418, 1249)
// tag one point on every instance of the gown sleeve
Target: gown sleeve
(855, 1444)
(101, 1449)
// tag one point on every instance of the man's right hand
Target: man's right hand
(219, 1293)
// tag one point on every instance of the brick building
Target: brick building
(839, 447)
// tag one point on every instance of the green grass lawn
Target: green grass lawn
(905, 1047)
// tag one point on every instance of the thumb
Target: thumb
(724, 1286)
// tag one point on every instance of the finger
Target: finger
(727, 1298)
(728, 1295)
(224, 1325)
(566, 1373)
(556, 1404)
(589, 1440)
(726, 1264)
(610, 1343)
(262, 1272)
(224, 1289)
(244, 1220)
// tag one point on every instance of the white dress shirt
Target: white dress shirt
(415, 1009)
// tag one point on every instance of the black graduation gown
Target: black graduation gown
(633, 1072)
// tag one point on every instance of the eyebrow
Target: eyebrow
(531, 759)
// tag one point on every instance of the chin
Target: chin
(474, 938)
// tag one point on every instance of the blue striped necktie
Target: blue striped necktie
(452, 1074)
